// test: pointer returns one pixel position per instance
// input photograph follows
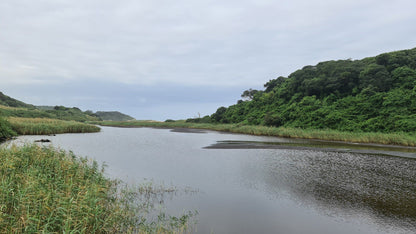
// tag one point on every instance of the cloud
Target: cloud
(209, 43)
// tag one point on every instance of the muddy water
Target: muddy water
(250, 184)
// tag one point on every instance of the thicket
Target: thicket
(376, 94)
(6, 130)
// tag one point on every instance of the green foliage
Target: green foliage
(57, 112)
(205, 119)
(405, 139)
(6, 130)
(41, 126)
(370, 95)
(8, 101)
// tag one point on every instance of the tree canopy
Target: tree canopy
(372, 94)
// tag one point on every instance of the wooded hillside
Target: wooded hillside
(376, 94)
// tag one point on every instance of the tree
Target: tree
(249, 94)
(273, 83)
(219, 114)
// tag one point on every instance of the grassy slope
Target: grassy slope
(403, 139)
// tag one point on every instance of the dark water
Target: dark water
(249, 184)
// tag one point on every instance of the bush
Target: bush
(6, 130)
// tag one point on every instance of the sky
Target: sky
(165, 59)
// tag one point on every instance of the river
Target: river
(254, 184)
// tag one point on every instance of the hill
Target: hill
(10, 107)
(375, 94)
(57, 112)
(113, 116)
(11, 102)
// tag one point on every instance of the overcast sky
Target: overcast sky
(160, 59)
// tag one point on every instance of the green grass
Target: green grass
(43, 126)
(400, 138)
(45, 190)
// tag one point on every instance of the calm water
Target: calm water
(245, 186)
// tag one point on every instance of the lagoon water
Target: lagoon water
(252, 184)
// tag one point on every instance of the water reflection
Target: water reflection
(382, 185)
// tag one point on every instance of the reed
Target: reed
(398, 138)
(44, 126)
(45, 190)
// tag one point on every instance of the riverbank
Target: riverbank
(43, 189)
(44, 126)
(400, 138)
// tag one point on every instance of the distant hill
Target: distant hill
(11, 102)
(376, 94)
(12, 107)
(113, 116)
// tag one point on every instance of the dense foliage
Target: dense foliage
(6, 130)
(376, 94)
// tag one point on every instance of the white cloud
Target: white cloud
(192, 43)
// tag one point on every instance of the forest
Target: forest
(375, 94)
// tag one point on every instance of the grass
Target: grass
(399, 138)
(46, 190)
(44, 126)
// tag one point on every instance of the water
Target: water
(242, 185)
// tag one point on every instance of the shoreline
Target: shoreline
(383, 139)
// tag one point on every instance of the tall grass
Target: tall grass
(45, 190)
(399, 138)
(42, 126)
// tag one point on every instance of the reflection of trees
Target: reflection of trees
(330, 180)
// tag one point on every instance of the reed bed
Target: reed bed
(43, 126)
(399, 138)
(46, 190)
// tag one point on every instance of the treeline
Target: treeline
(376, 94)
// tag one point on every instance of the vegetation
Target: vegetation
(376, 94)
(58, 112)
(39, 126)
(44, 190)
(8, 101)
(404, 139)
(113, 116)
(6, 130)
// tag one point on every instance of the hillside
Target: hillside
(11, 102)
(113, 116)
(10, 107)
(376, 94)
(58, 112)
